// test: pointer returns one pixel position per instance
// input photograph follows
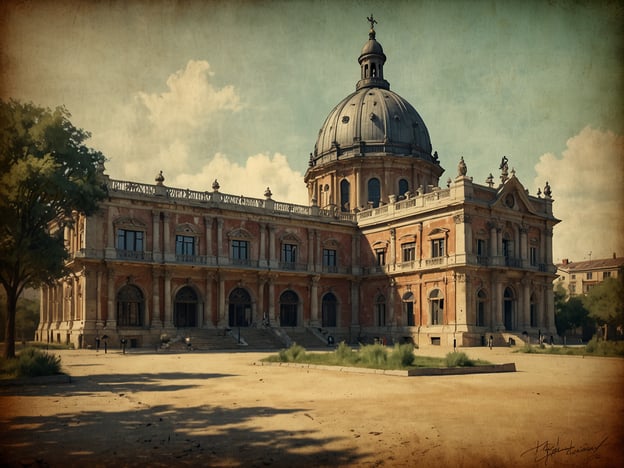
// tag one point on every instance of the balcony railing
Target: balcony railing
(513, 262)
(134, 255)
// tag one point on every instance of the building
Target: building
(382, 251)
(578, 278)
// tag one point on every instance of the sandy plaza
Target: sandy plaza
(223, 409)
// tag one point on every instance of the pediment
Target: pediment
(239, 233)
(513, 196)
(186, 228)
(290, 237)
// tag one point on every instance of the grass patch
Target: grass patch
(376, 356)
(593, 348)
(30, 362)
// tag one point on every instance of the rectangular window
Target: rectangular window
(409, 251)
(130, 240)
(289, 253)
(606, 274)
(185, 245)
(329, 257)
(533, 255)
(437, 248)
(589, 275)
(240, 250)
(572, 288)
(381, 256)
(573, 277)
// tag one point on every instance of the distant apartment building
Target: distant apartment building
(579, 277)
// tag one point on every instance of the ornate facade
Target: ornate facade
(381, 251)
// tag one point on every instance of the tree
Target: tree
(605, 301)
(46, 175)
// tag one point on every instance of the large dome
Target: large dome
(372, 120)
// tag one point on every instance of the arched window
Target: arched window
(289, 302)
(130, 306)
(403, 187)
(380, 311)
(239, 308)
(345, 202)
(329, 310)
(436, 307)
(481, 307)
(374, 192)
(508, 308)
(185, 308)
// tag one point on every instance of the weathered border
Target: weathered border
(489, 369)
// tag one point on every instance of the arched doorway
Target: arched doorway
(408, 306)
(239, 308)
(508, 303)
(130, 307)
(289, 302)
(185, 308)
(329, 310)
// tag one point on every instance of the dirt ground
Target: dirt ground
(220, 409)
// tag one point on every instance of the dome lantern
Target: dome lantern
(372, 60)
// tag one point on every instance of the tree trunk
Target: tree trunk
(9, 335)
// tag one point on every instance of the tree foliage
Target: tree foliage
(605, 301)
(46, 174)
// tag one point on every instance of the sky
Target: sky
(237, 90)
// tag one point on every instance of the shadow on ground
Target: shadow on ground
(133, 433)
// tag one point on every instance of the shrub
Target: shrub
(604, 348)
(401, 356)
(293, 354)
(32, 362)
(345, 355)
(373, 355)
(458, 359)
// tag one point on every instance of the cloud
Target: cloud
(587, 187)
(259, 172)
(171, 130)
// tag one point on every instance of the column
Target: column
(111, 318)
(156, 321)
(272, 312)
(526, 300)
(392, 248)
(498, 306)
(524, 245)
(461, 246)
(355, 250)
(262, 260)
(155, 234)
(392, 319)
(493, 241)
(272, 259)
(318, 252)
(355, 302)
(168, 322)
(314, 311)
(261, 309)
(310, 250)
(166, 240)
(208, 234)
(110, 234)
(222, 321)
(548, 234)
(222, 258)
(208, 321)
(549, 321)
